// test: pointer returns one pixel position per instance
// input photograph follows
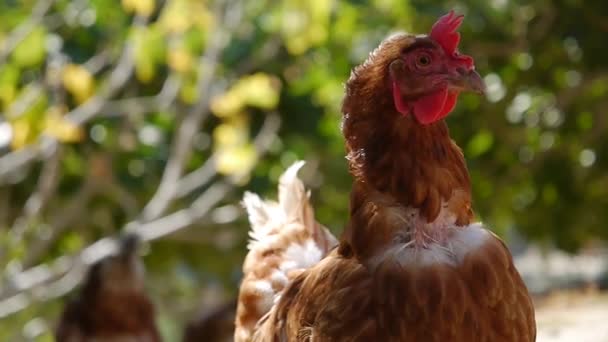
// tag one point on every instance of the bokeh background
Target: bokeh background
(156, 116)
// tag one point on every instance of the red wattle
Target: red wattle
(428, 109)
(449, 104)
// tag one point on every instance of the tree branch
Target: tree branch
(117, 79)
(182, 145)
(142, 105)
(47, 184)
(201, 176)
(59, 224)
(26, 99)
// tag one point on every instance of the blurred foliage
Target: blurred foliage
(534, 146)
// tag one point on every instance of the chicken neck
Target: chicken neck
(410, 181)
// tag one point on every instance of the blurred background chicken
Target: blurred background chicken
(214, 324)
(411, 265)
(111, 305)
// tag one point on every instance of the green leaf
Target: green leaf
(150, 52)
(480, 144)
(9, 78)
(31, 51)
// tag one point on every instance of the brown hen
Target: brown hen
(411, 265)
(112, 305)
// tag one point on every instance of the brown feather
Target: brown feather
(483, 299)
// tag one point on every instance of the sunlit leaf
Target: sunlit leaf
(140, 7)
(399, 8)
(180, 59)
(175, 17)
(194, 40)
(235, 160)
(78, 81)
(259, 90)
(229, 135)
(330, 93)
(22, 131)
(28, 124)
(57, 126)
(346, 23)
(227, 104)
(181, 15)
(305, 24)
(31, 51)
(481, 143)
(9, 77)
(71, 242)
(149, 52)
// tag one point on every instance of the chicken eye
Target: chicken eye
(423, 60)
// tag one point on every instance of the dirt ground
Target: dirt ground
(573, 317)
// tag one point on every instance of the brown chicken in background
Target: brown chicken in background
(215, 325)
(411, 264)
(112, 305)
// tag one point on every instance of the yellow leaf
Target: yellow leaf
(141, 7)
(305, 24)
(236, 160)
(227, 135)
(78, 81)
(144, 66)
(180, 15)
(27, 125)
(128, 5)
(144, 70)
(259, 90)
(175, 17)
(201, 16)
(180, 60)
(21, 134)
(57, 126)
(227, 104)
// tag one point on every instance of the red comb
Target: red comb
(444, 33)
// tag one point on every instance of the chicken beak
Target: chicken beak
(469, 81)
